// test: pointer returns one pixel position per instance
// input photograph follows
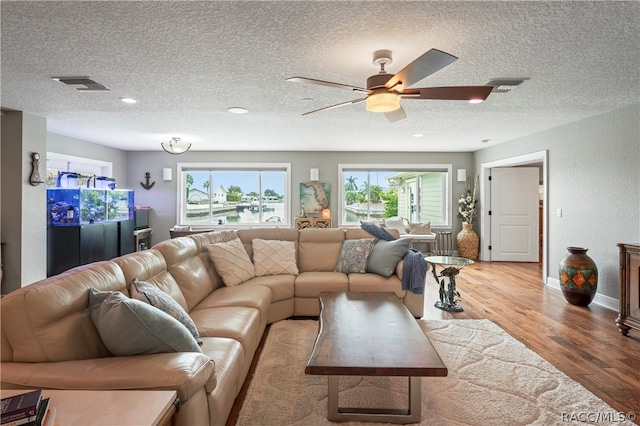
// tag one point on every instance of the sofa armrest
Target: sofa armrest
(184, 372)
(400, 268)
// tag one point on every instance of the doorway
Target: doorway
(534, 159)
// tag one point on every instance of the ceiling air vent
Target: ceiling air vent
(89, 85)
(505, 85)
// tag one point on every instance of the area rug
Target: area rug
(493, 380)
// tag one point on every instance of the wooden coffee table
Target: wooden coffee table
(372, 334)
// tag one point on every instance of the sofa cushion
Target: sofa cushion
(131, 327)
(231, 261)
(385, 255)
(152, 295)
(319, 249)
(274, 257)
(354, 255)
(311, 284)
(374, 283)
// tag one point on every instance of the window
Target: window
(239, 194)
(84, 167)
(419, 193)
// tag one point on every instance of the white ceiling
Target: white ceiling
(187, 62)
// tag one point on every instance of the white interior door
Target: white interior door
(514, 214)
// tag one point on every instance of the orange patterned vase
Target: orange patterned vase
(578, 275)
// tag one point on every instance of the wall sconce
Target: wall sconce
(35, 178)
(462, 175)
(315, 175)
(167, 174)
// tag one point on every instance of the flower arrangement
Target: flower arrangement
(468, 204)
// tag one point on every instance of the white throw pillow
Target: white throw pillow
(231, 262)
(395, 223)
(274, 257)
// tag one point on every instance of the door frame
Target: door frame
(485, 202)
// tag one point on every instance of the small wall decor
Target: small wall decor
(35, 178)
(314, 196)
(147, 185)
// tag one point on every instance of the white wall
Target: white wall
(23, 221)
(80, 148)
(594, 177)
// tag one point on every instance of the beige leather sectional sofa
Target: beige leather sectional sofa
(50, 341)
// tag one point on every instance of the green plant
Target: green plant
(390, 199)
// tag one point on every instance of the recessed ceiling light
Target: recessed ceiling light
(418, 135)
(238, 110)
(129, 100)
(475, 101)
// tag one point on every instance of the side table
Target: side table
(451, 266)
(110, 407)
(312, 222)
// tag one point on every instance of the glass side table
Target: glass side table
(450, 268)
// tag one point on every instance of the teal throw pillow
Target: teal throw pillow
(354, 255)
(131, 327)
(385, 256)
(152, 295)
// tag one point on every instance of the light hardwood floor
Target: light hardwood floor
(582, 342)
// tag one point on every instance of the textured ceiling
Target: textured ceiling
(187, 62)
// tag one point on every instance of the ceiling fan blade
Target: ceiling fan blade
(355, 101)
(326, 84)
(396, 115)
(455, 93)
(427, 64)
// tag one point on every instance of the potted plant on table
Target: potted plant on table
(467, 213)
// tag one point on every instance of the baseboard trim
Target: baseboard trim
(599, 299)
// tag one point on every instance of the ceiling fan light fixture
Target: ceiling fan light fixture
(175, 146)
(383, 101)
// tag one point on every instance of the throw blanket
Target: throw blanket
(415, 267)
(415, 272)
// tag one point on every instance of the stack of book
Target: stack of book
(26, 409)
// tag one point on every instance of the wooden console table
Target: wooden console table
(312, 222)
(110, 407)
(629, 313)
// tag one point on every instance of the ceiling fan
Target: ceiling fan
(384, 90)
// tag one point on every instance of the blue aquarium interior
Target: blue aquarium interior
(80, 206)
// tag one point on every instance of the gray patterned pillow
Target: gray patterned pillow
(354, 255)
(152, 295)
(130, 327)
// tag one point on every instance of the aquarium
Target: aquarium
(119, 204)
(80, 206)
